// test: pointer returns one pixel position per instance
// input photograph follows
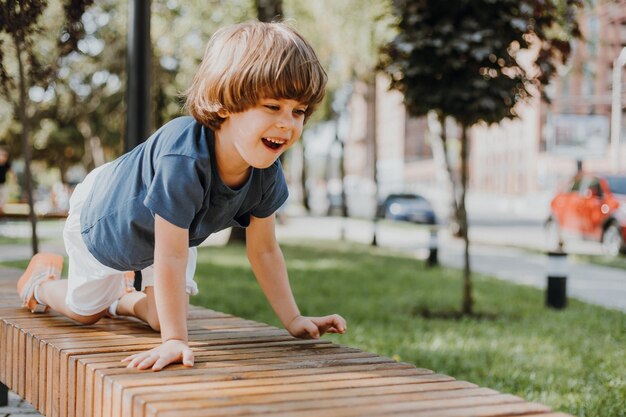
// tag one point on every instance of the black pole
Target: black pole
(138, 90)
(556, 291)
(4, 395)
(138, 70)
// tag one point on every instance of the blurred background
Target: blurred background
(359, 148)
(445, 122)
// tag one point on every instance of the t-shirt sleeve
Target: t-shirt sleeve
(176, 192)
(274, 195)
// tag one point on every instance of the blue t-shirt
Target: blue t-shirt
(172, 174)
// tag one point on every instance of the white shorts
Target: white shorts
(93, 287)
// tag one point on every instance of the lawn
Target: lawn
(7, 240)
(612, 261)
(572, 360)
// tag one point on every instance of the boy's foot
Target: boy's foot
(42, 267)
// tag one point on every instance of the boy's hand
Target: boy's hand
(313, 327)
(171, 351)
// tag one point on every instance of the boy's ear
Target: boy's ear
(223, 113)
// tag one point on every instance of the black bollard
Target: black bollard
(433, 246)
(556, 292)
(4, 395)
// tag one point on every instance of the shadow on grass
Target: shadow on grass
(427, 313)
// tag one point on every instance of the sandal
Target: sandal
(43, 266)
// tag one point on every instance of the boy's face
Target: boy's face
(263, 132)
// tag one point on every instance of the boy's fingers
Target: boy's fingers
(147, 363)
(312, 329)
(160, 364)
(339, 323)
(133, 363)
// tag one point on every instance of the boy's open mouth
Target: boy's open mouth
(274, 143)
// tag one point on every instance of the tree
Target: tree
(269, 10)
(19, 20)
(463, 59)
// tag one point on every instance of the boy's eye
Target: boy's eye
(300, 112)
(272, 107)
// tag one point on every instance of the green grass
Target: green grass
(572, 360)
(6, 240)
(23, 264)
(612, 261)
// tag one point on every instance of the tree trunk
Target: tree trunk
(26, 145)
(303, 180)
(467, 306)
(455, 217)
(269, 10)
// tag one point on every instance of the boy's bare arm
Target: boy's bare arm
(171, 249)
(269, 267)
(170, 263)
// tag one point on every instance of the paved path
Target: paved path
(591, 283)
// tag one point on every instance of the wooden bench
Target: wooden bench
(242, 367)
(21, 211)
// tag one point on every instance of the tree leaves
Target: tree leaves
(460, 58)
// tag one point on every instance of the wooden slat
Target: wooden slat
(360, 406)
(241, 367)
(311, 399)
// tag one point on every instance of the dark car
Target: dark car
(592, 206)
(407, 207)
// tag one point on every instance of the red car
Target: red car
(592, 206)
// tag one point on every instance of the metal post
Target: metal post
(433, 248)
(556, 292)
(616, 109)
(138, 69)
(4, 395)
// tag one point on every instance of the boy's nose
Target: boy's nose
(286, 122)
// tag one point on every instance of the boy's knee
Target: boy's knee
(88, 319)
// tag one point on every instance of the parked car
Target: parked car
(407, 207)
(591, 206)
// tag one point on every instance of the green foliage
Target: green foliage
(346, 36)
(475, 59)
(572, 360)
(44, 34)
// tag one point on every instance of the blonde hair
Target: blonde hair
(247, 62)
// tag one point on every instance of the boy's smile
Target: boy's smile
(274, 143)
(256, 137)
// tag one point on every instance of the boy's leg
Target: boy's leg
(141, 305)
(53, 294)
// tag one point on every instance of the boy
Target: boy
(150, 208)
